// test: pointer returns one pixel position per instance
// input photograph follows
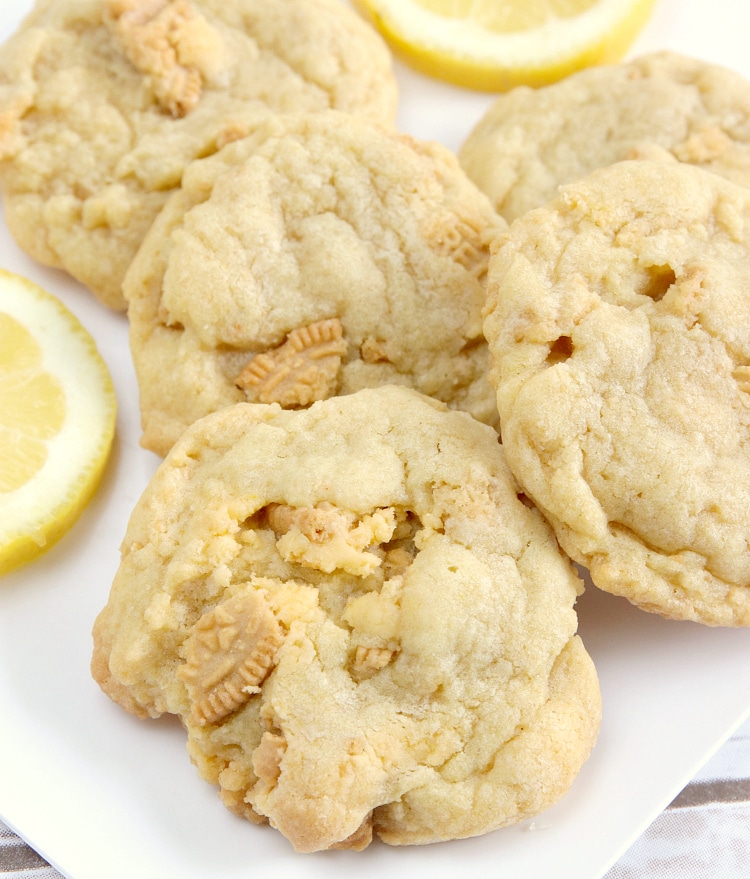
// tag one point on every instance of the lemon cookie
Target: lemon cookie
(531, 141)
(104, 102)
(618, 320)
(364, 626)
(319, 255)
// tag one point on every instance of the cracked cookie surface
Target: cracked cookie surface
(617, 320)
(414, 674)
(664, 104)
(104, 102)
(318, 256)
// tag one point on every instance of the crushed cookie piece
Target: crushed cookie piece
(704, 145)
(319, 523)
(464, 241)
(373, 351)
(368, 660)
(230, 652)
(327, 538)
(169, 41)
(299, 372)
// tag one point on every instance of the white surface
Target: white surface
(101, 794)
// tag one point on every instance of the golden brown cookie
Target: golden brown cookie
(364, 626)
(318, 256)
(617, 321)
(664, 104)
(104, 102)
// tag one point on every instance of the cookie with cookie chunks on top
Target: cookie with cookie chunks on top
(365, 627)
(103, 103)
(318, 256)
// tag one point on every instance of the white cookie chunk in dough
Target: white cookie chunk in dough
(365, 627)
(618, 320)
(103, 103)
(318, 256)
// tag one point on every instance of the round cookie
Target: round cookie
(104, 102)
(617, 321)
(664, 104)
(320, 255)
(363, 625)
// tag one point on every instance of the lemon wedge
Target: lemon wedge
(494, 45)
(57, 420)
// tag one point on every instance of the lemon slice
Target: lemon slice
(494, 45)
(57, 420)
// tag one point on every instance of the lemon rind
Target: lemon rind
(468, 56)
(77, 457)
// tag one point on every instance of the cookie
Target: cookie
(363, 625)
(320, 255)
(104, 102)
(617, 320)
(530, 141)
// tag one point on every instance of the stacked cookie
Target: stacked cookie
(359, 602)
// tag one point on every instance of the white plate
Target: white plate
(101, 794)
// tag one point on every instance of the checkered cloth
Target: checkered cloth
(20, 861)
(703, 834)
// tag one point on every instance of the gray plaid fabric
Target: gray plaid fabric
(705, 832)
(20, 861)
